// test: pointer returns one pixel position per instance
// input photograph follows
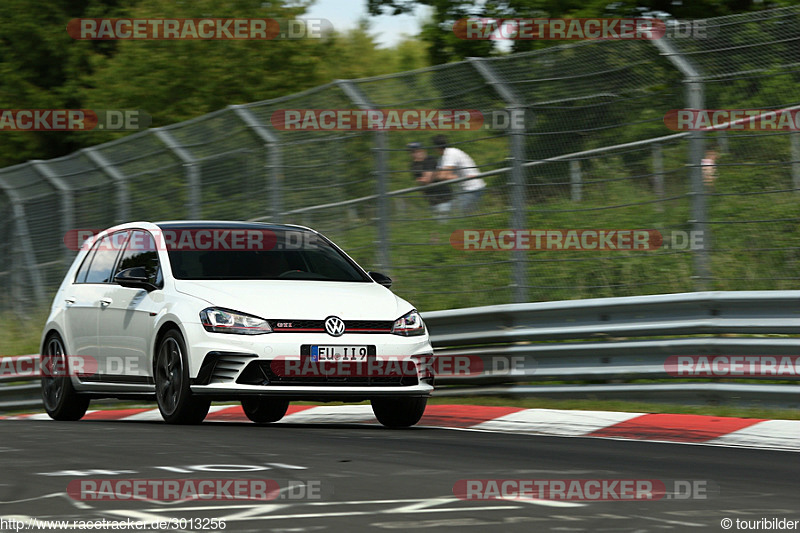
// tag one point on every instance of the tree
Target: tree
(444, 46)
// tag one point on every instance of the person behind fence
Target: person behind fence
(423, 168)
(455, 163)
(709, 166)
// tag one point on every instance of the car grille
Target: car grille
(261, 373)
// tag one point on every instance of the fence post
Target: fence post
(576, 180)
(67, 201)
(516, 181)
(194, 196)
(381, 174)
(658, 174)
(695, 99)
(22, 256)
(120, 183)
(794, 140)
(274, 157)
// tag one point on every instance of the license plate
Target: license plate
(340, 353)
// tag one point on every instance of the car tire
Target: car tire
(60, 399)
(173, 392)
(399, 412)
(263, 410)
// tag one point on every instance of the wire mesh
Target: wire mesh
(594, 154)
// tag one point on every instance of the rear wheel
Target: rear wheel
(175, 399)
(58, 395)
(399, 412)
(263, 410)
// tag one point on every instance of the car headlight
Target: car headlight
(409, 325)
(227, 321)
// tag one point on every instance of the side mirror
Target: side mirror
(381, 279)
(134, 278)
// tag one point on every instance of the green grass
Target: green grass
(755, 240)
(21, 335)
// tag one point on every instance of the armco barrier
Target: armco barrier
(605, 339)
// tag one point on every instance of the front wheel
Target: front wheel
(175, 399)
(263, 410)
(58, 395)
(399, 412)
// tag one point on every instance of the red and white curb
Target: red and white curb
(687, 429)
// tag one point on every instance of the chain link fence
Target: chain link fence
(594, 153)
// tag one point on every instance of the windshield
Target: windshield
(237, 253)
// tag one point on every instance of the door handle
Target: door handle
(105, 301)
(70, 300)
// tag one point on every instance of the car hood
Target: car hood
(299, 299)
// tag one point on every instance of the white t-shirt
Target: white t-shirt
(463, 166)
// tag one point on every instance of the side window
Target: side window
(80, 277)
(104, 258)
(141, 252)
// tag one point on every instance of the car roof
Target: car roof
(224, 224)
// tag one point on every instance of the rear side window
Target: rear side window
(104, 258)
(141, 252)
(80, 277)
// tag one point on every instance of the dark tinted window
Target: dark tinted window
(104, 258)
(276, 254)
(140, 251)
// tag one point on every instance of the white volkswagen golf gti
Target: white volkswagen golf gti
(195, 312)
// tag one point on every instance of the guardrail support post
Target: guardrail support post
(516, 182)
(381, 175)
(194, 196)
(695, 99)
(274, 158)
(67, 202)
(658, 174)
(25, 259)
(794, 139)
(576, 180)
(120, 183)
(22, 256)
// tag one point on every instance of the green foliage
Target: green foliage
(444, 46)
(41, 66)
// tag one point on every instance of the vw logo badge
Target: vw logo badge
(334, 326)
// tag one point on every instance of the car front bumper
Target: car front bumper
(235, 352)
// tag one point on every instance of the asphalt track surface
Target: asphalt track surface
(372, 478)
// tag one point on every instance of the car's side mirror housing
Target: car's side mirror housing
(134, 278)
(381, 279)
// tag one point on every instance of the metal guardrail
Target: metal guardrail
(606, 339)
(19, 390)
(615, 339)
